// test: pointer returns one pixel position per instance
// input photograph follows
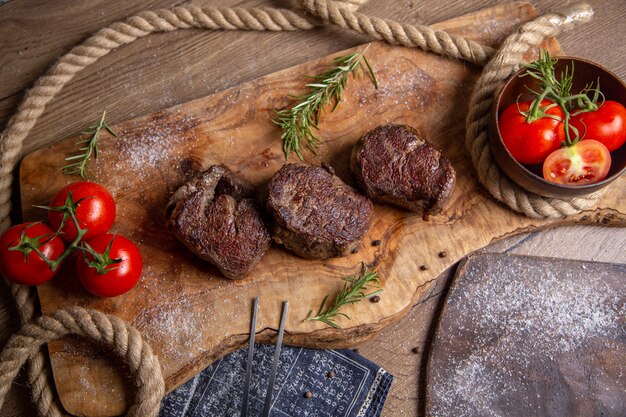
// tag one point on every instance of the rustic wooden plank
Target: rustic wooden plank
(400, 348)
(153, 151)
(517, 334)
(133, 81)
(394, 347)
(589, 40)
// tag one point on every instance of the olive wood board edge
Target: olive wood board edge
(499, 336)
(200, 133)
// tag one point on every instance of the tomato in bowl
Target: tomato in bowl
(530, 176)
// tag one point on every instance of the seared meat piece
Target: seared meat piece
(395, 165)
(316, 215)
(214, 217)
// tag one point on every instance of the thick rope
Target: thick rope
(339, 13)
(394, 33)
(108, 39)
(100, 328)
(62, 72)
(38, 374)
(504, 64)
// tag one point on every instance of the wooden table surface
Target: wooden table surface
(167, 69)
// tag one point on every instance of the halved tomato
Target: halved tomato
(585, 162)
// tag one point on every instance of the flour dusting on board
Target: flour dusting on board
(530, 343)
(155, 142)
(177, 329)
(411, 87)
(173, 321)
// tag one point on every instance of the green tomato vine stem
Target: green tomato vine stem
(558, 90)
(100, 262)
(69, 211)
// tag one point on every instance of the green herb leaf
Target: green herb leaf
(558, 90)
(80, 161)
(298, 121)
(353, 291)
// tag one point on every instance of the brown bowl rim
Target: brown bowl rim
(576, 189)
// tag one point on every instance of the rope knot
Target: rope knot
(97, 327)
(125, 339)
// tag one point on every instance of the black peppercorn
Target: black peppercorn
(443, 254)
(424, 267)
(376, 242)
(375, 299)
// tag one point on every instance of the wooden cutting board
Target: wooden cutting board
(183, 307)
(524, 336)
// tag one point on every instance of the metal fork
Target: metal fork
(270, 389)
(246, 389)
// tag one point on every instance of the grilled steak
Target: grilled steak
(395, 165)
(214, 216)
(316, 215)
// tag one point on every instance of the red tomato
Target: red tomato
(586, 162)
(606, 125)
(117, 277)
(531, 143)
(96, 212)
(30, 269)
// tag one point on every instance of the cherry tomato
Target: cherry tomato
(95, 211)
(117, 277)
(30, 269)
(586, 162)
(606, 125)
(531, 143)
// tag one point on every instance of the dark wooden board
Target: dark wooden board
(530, 336)
(184, 308)
(131, 81)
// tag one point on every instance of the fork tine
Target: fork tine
(246, 388)
(270, 389)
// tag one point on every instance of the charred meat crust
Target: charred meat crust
(214, 216)
(394, 164)
(316, 215)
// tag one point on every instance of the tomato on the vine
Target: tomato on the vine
(26, 266)
(531, 143)
(95, 210)
(606, 125)
(111, 265)
(585, 162)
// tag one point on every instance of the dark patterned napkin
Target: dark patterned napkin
(309, 382)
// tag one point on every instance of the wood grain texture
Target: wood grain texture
(184, 308)
(134, 81)
(402, 348)
(530, 336)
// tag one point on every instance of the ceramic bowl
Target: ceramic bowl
(530, 177)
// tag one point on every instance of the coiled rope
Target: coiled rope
(123, 338)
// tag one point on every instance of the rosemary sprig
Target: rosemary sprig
(543, 71)
(79, 163)
(298, 121)
(353, 291)
(558, 90)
